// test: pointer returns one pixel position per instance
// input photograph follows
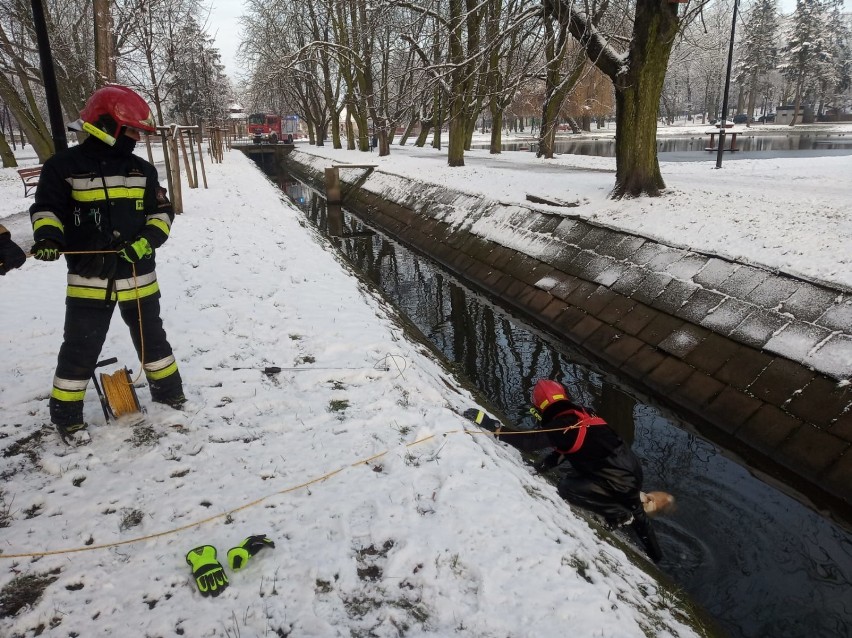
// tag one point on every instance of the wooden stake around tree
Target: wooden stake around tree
(148, 147)
(201, 157)
(190, 175)
(191, 133)
(172, 157)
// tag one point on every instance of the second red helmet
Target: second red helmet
(547, 392)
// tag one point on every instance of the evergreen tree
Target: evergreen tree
(838, 77)
(199, 89)
(806, 60)
(758, 51)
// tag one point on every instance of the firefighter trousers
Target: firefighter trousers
(86, 327)
(612, 491)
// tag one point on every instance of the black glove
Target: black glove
(11, 255)
(549, 462)
(480, 418)
(101, 265)
(46, 250)
(208, 573)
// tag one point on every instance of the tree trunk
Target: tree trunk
(312, 138)
(470, 129)
(363, 132)
(30, 121)
(455, 147)
(384, 145)
(335, 130)
(103, 43)
(6, 153)
(458, 84)
(425, 127)
(798, 101)
(350, 130)
(637, 97)
(547, 132)
(437, 120)
(496, 128)
(752, 98)
(637, 170)
(408, 129)
(556, 86)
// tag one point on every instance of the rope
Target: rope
(245, 506)
(119, 385)
(119, 393)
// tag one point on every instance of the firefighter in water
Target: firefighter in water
(605, 476)
(104, 208)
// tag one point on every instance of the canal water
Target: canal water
(746, 142)
(761, 563)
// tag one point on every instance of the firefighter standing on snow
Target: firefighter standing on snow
(605, 476)
(99, 196)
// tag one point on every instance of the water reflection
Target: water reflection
(760, 562)
(605, 147)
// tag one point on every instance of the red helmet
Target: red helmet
(546, 393)
(115, 106)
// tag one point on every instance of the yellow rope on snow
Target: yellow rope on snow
(245, 506)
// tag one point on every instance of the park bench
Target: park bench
(29, 176)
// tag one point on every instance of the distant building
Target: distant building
(784, 114)
(238, 120)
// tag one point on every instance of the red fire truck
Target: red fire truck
(264, 127)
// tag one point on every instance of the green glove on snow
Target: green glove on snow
(238, 556)
(208, 572)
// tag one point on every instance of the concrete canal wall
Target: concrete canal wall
(760, 361)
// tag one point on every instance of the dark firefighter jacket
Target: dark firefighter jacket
(94, 197)
(603, 455)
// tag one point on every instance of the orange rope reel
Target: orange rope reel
(120, 394)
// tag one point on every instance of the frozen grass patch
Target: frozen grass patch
(23, 591)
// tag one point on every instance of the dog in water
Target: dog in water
(656, 503)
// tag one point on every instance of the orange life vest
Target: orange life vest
(584, 421)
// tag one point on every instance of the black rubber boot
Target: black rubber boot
(74, 435)
(644, 530)
(176, 402)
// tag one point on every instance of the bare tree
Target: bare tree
(637, 68)
(563, 67)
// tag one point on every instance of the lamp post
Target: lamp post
(54, 108)
(727, 88)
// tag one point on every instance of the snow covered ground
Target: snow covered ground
(388, 519)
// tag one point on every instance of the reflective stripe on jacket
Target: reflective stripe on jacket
(91, 198)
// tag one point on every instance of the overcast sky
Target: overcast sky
(225, 28)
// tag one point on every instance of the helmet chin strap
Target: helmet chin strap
(103, 136)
